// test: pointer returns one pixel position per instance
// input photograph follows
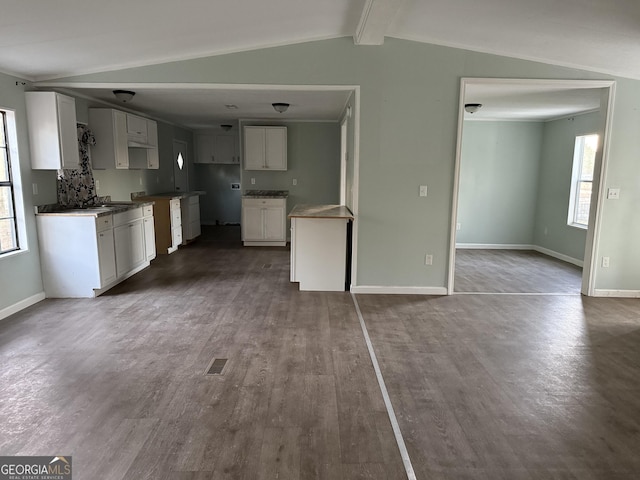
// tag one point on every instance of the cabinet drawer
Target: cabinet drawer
(174, 203)
(125, 217)
(263, 202)
(176, 235)
(104, 222)
(147, 211)
(176, 217)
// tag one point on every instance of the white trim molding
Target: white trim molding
(21, 305)
(601, 292)
(396, 290)
(559, 256)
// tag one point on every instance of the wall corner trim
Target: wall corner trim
(601, 292)
(396, 290)
(21, 305)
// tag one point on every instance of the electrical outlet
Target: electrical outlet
(613, 193)
(605, 262)
(295, 181)
(458, 226)
(35, 188)
(423, 190)
(428, 259)
(253, 181)
(546, 230)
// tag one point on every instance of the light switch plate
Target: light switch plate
(423, 190)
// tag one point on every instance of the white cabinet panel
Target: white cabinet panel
(254, 155)
(276, 148)
(129, 246)
(252, 227)
(274, 227)
(106, 257)
(136, 128)
(51, 120)
(149, 238)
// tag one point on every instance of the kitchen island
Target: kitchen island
(321, 247)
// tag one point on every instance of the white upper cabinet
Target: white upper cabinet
(265, 148)
(218, 147)
(122, 141)
(136, 129)
(109, 126)
(51, 119)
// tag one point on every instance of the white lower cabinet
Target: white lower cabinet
(190, 210)
(85, 255)
(129, 245)
(264, 222)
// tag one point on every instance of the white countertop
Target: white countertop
(321, 211)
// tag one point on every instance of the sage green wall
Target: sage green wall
(498, 182)
(409, 109)
(220, 204)
(554, 186)
(20, 276)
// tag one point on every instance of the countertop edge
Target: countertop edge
(321, 211)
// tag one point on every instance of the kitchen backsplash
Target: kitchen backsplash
(77, 187)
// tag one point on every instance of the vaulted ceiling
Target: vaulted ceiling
(46, 40)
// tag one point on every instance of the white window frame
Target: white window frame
(11, 137)
(576, 180)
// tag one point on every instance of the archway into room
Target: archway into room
(511, 228)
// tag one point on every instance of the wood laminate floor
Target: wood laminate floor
(514, 271)
(484, 386)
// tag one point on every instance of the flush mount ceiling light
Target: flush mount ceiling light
(226, 128)
(124, 96)
(472, 107)
(280, 107)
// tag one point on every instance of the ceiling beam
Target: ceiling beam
(376, 17)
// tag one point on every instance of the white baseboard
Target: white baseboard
(616, 293)
(559, 256)
(21, 305)
(398, 290)
(493, 246)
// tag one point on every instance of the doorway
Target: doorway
(509, 229)
(180, 166)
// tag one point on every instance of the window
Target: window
(8, 224)
(584, 156)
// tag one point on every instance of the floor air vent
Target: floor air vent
(216, 366)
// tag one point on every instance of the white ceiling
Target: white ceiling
(529, 101)
(205, 106)
(48, 40)
(45, 40)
